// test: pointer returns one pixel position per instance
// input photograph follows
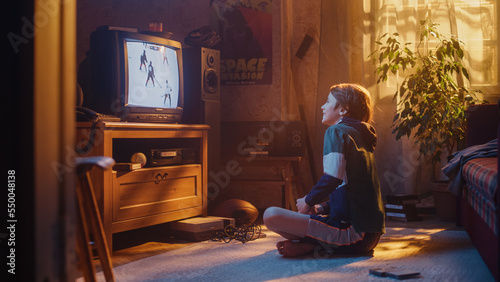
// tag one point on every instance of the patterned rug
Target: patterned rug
(438, 255)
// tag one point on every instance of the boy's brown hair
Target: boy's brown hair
(355, 98)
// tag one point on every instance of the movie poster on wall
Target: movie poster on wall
(245, 28)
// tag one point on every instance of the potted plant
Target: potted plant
(433, 97)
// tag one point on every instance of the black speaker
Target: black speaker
(202, 95)
(201, 83)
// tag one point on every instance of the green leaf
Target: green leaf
(439, 56)
(465, 73)
(396, 117)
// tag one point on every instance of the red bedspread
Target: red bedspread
(480, 176)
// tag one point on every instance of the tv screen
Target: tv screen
(136, 77)
(153, 75)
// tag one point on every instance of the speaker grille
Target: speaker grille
(211, 82)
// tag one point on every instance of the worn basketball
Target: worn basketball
(242, 211)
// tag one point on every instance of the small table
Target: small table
(288, 167)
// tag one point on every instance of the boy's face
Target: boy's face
(331, 113)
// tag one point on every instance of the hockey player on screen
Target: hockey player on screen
(144, 60)
(168, 89)
(151, 74)
(165, 59)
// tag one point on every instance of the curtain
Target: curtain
(472, 21)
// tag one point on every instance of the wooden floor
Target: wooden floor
(145, 242)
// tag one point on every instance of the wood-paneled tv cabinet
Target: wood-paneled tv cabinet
(152, 194)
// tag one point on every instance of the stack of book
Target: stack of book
(402, 208)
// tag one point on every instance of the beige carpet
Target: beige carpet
(439, 255)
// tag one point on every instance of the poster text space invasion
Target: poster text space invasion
(241, 69)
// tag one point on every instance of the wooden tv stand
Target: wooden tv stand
(153, 194)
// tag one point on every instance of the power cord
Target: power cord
(242, 234)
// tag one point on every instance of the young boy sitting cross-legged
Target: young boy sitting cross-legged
(352, 220)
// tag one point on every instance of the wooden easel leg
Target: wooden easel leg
(92, 212)
(90, 219)
(83, 247)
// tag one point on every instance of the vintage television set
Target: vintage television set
(135, 77)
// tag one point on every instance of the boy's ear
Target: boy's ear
(344, 110)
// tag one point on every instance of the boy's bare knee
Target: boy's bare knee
(269, 214)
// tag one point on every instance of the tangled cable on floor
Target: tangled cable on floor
(243, 233)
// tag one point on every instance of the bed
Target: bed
(479, 196)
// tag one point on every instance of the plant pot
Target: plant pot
(445, 202)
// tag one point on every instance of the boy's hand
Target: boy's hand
(317, 209)
(302, 207)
